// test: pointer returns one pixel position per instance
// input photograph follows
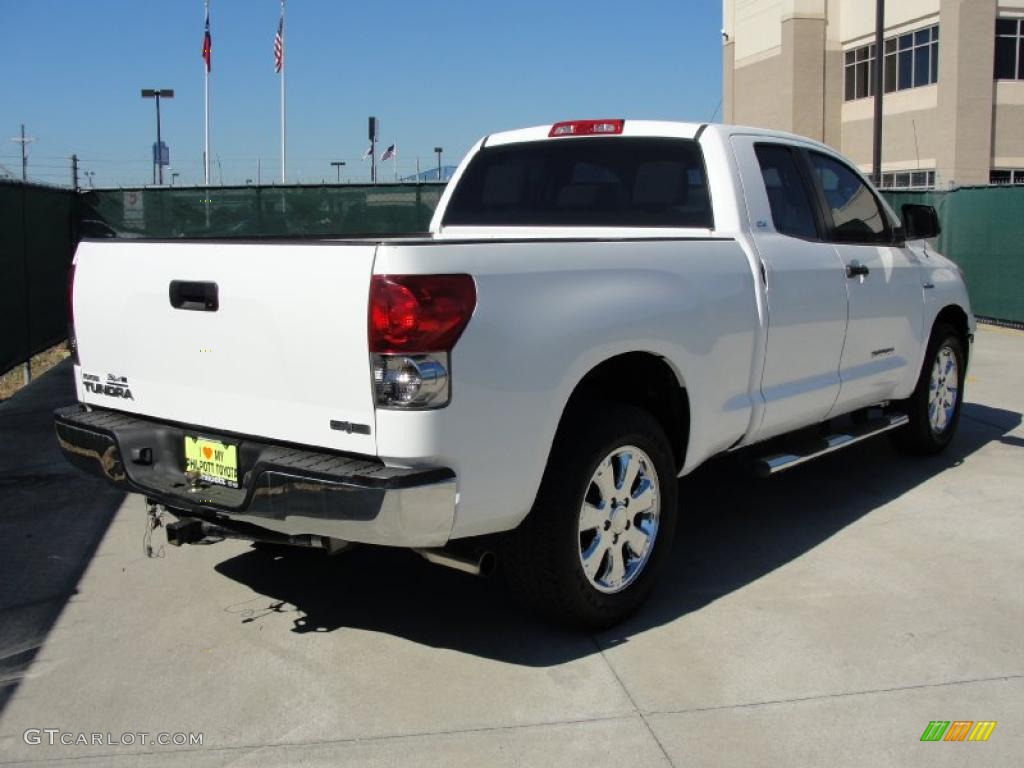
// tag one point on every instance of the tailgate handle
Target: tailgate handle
(197, 296)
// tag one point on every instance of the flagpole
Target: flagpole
(206, 112)
(284, 164)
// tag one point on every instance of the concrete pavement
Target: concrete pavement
(822, 617)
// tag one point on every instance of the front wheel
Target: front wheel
(934, 407)
(590, 550)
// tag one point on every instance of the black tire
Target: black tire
(919, 437)
(541, 558)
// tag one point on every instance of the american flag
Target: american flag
(368, 152)
(279, 44)
(207, 42)
(389, 153)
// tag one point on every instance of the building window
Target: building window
(1009, 49)
(860, 73)
(908, 180)
(1006, 176)
(911, 60)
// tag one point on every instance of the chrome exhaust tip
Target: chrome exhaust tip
(480, 562)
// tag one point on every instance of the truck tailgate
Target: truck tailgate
(284, 355)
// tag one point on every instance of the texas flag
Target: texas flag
(207, 42)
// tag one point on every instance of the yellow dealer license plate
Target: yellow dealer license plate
(215, 461)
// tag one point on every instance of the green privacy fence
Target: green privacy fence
(983, 232)
(279, 211)
(40, 227)
(36, 245)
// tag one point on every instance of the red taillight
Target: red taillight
(587, 128)
(419, 313)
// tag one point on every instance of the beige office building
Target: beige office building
(953, 73)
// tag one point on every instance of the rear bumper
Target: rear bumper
(289, 490)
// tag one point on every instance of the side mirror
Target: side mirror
(920, 222)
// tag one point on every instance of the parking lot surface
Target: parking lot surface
(823, 617)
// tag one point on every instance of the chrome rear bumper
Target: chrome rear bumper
(293, 491)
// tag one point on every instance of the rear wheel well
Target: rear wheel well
(646, 381)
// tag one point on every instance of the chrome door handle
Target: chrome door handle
(856, 269)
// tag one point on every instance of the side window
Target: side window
(856, 214)
(788, 196)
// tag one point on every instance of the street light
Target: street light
(439, 150)
(89, 175)
(158, 93)
(174, 177)
(337, 164)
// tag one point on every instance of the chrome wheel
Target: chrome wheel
(618, 522)
(943, 390)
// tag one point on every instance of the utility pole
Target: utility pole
(74, 172)
(876, 144)
(24, 141)
(27, 367)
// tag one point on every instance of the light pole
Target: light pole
(158, 156)
(337, 165)
(439, 150)
(89, 175)
(174, 177)
(876, 138)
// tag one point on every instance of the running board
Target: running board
(767, 466)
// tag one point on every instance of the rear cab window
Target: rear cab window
(585, 182)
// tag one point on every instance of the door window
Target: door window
(788, 196)
(856, 215)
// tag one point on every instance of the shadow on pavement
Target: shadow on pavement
(52, 518)
(736, 529)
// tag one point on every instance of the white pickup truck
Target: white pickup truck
(599, 307)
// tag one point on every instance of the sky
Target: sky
(434, 73)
